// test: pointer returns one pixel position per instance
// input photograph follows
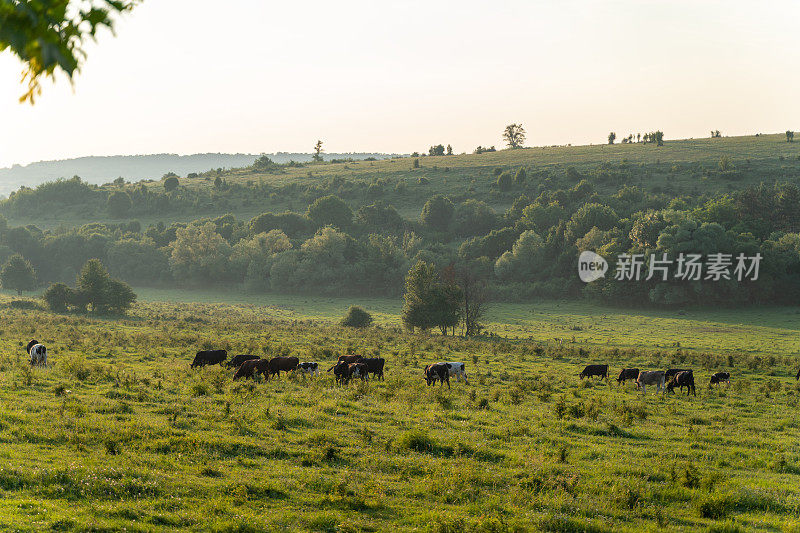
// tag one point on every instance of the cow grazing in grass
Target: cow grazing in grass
(594, 370)
(282, 363)
(209, 357)
(627, 373)
(308, 369)
(239, 359)
(437, 371)
(374, 366)
(683, 379)
(38, 354)
(252, 367)
(340, 372)
(720, 377)
(457, 369)
(672, 372)
(651, 377)
(357, 370)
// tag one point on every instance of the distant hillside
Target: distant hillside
(101, 170)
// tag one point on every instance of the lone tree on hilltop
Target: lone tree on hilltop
(514, 135)
(789, 136)
(318, 151)
(612, 137)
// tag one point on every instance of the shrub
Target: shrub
(417, 440)
(58, 297)
(356, 317)
(171, 183)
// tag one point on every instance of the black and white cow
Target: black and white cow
(456, 369)
(720, 377)
(38, 354)
(309, 369)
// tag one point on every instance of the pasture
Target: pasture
(120, 434)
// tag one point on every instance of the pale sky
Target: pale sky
(189, 76)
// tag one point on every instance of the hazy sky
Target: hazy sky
(187, 76)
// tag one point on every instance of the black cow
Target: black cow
(340, 372)
(595, 370)
(282, 363)
(209, 357)
(239, 359)
(437, 371)
(683, 379)
(375, 366)
(719, 377)
(34, 342)
(672, 372)
(628, 373)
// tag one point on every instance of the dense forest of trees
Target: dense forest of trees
(349, 239)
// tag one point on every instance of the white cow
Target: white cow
(651, 377)
(456, 369)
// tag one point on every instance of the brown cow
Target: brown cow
(251, 368)
(285, 363)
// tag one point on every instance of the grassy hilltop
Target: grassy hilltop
(680, 167)
(120, 434)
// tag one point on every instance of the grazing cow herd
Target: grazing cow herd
(662, 380)
(345, 369)
(348, 367)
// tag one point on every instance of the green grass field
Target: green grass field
(118, 434)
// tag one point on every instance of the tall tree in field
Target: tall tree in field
(93, 283)
(431, 300)
(50, 35)
(420, 283)
(18, 275)
(471, 278)
(612, 137)
(514, 135)
(318, 151)
(789, 136)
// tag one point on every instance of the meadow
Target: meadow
(118, 433)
